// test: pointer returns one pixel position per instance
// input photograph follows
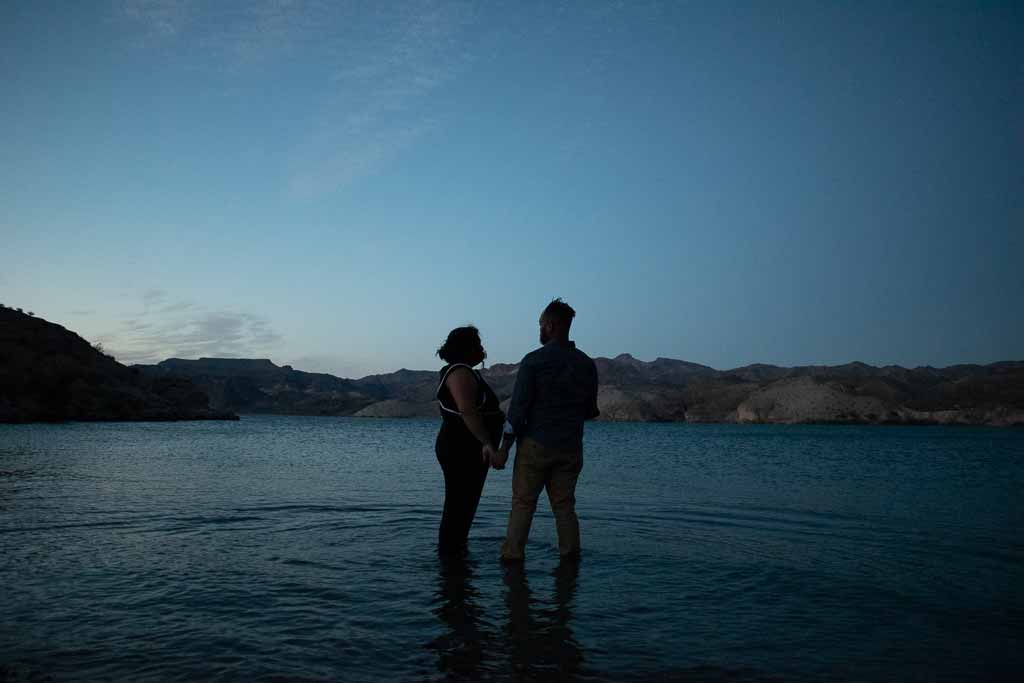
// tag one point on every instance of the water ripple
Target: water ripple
(747, 555)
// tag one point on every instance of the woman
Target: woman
(471, 422)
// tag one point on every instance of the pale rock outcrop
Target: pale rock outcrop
(805, 399)
(646, 404)
(994, 417)
(398, 408)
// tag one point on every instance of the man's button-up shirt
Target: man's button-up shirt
(555, 392)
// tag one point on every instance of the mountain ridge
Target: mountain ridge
(50, 373)
(664, 389)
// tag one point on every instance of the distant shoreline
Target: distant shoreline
(50, 374)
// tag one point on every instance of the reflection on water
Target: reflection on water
(460, 650)
(541, 642)
(536, 640)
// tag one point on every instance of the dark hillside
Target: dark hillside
(48, 373)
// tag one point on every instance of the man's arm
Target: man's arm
(518, 408)
(592, 410)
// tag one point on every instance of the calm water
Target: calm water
(296, 548)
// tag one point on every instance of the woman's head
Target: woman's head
(463, 346)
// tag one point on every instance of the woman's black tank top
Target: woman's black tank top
(453, 428)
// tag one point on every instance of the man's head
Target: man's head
(555, 321)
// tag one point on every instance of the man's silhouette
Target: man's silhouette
(555, 392)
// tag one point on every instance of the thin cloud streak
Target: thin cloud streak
(182, 330)
(157, 20)
(416, 51)
(377, 68)
(177, 307)
(227, 37)
(152, 297)
(327, 363)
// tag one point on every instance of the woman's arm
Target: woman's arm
(463, 386)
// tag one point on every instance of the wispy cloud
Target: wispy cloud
(184, 330)
(395, 70)
(372, 70)
(226, 37)
(378, 95)
(331, 364)
(351, 156)
(156, 20)
(152, 297)
(177, 307)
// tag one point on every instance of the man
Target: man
(555, 391)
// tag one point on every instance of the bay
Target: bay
(302, 548)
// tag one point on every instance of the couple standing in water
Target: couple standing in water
(554, 393)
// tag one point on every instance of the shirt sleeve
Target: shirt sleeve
(522, 397)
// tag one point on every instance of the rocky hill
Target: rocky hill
(661, 390)
(859, 393)
(48, 373)
(259, 386)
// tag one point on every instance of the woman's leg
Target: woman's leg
(464, 478)
(476, 476)
(447, 533)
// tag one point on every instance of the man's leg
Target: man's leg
(561, 487)
(528, 476)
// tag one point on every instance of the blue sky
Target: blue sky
(336, 185)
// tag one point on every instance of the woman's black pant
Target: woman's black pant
(464, 476)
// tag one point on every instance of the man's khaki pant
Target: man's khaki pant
(538, 467)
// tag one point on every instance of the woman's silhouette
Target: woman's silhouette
(471, 423)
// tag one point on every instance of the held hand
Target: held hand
(488, 453)
(499, 459)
